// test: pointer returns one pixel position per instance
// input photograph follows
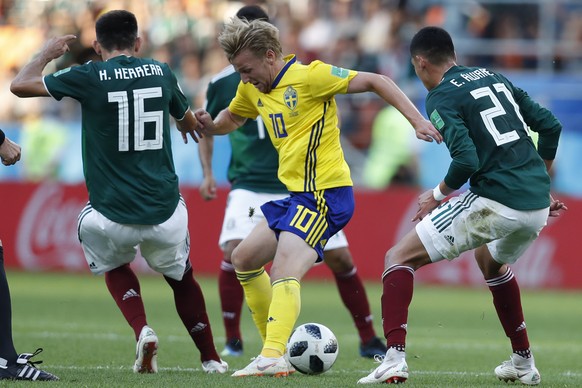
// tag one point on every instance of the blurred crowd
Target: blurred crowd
(366, 35)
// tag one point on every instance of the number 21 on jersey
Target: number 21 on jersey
(488, 115)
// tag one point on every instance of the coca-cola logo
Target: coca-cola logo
(47, 232)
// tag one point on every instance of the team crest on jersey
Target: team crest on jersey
(290, 97)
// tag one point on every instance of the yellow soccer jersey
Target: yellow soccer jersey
(300, 114)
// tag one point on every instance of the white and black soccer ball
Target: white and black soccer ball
(312, 348)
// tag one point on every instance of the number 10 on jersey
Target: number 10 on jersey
(278, 125)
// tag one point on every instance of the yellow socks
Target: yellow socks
(282, 316)
(274, 309)
(257, 288)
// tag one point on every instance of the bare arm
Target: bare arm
(548, 164)
(224, 123)
(431, 199)
(556, 205)
(393, 95)
(207, 188)
(28, 81)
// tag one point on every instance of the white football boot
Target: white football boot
(146, 352)
(264, 366)
(392, 370)
(214, 366)
(519, 368)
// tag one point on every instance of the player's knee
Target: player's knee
(240, 260)
(228, 248)
(235, 258)
(389, 258)
(339, 260)
(493, 270)
(227, 256)
(395, 257)
(408, 255)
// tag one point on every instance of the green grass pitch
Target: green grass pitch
(454, 337)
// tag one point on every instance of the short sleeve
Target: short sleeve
(179, 103)
(69, 82)
(242, 104)
(326, 80)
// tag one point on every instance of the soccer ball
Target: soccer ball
(312, 348)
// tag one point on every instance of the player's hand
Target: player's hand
(194, 134)
(426, 204)
(56, 47)
(9, 152)
(207, 188)
(556, 206)
(189, 126)
(205, 121)
(427, 132)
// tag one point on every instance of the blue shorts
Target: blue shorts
(314, 216)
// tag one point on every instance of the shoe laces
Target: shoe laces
(379, 358)
(25, 358)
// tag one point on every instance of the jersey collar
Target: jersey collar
(291, 59)
(120, 56)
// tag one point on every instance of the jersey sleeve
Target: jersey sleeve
(327, 80)
(179, 102)
(69, 82)
(540, 120)
(242, 104)
(465, 160)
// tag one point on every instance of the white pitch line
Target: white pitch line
(472, 345)
(475, 345)
(104, 336)
(332, 371)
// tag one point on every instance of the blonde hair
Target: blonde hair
(257, 36)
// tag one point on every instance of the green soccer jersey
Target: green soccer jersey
(254, 161)
(127, 155)
(485, 122)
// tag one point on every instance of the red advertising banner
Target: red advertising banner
(38, 228)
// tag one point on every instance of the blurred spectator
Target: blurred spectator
(365, 35)
(317, 33)
(391, 155)
(45, 140)
(570, 32)
(507, 23)
(376, 32)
